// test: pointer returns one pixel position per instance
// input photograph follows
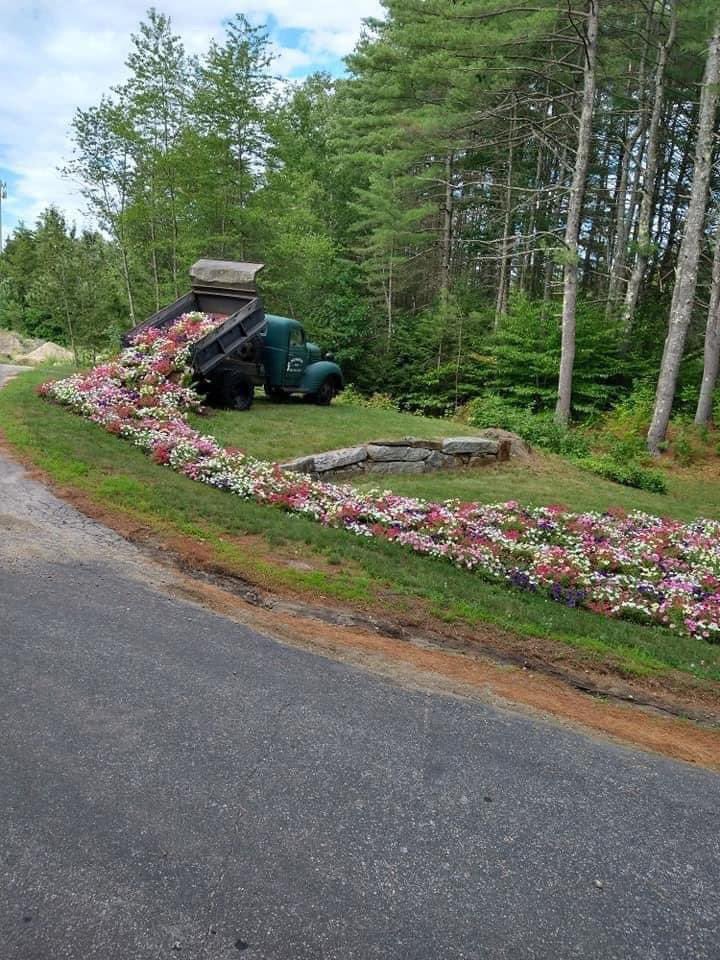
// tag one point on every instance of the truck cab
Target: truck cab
(278, 357)
(293, 364)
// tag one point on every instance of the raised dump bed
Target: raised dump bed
(235, 339)
(222, 287)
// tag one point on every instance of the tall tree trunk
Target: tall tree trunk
(687, 268)
(153, 235)
(627, 202)
(115, 220)
(128, 287)
(631, 222)
(173, 206)
(175, 233)
(648, 183)
(670, 124)
(626, 221)
(458, 357)
(222, 225)
(548, 271)
(620, 236)
(572, 227)
(389, 294)
(552, 220)
(663, 263)
(711, 361)
(447, 212)
(501, 300)
(153, 260)
(596, 214)
(527, 276)
(541, 205)
(68, 311)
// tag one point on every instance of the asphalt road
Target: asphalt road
(173, 784)
(8, 370)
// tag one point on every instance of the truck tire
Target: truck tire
(323, 397)
(237, 391)
(276, 394)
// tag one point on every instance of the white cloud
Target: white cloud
(56, 56)
(337, 42)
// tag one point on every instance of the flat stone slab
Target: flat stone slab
(384, 452)
(334, 459)
(471, 445)
(516, 446)
(481, 459)
(352, 471)
(440, 461)
(409, 442)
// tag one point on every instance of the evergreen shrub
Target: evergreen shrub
(629, 474)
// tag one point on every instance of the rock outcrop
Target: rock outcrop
(13, 345)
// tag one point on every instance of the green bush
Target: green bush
(491, 410)
(623, 449)
(539, 429)
(351, 396)
(621, 433)
(682, 447)
(628, 474)
(633, 412)
(687, 439)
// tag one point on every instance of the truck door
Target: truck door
(296, 357)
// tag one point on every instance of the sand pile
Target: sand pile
(30, 350)
(48, 352)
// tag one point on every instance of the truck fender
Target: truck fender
(317, 373)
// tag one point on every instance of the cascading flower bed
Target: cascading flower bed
(634, 566)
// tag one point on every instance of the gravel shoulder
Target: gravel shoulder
(8, 370)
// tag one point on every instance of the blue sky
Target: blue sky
(58, 55)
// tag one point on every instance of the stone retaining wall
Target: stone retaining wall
(411, 455)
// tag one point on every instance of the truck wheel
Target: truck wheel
(237, 391)
(203, 388)
(323, 397)
(275, 393)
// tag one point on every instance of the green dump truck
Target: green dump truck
(250, 348)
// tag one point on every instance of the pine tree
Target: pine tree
(686, 273)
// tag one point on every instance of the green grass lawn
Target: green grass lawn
(367, 573)
(281, 431)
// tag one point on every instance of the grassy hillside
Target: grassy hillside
(280, 431)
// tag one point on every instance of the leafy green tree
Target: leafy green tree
(59, 286)
(231, 87)
(155, 102)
